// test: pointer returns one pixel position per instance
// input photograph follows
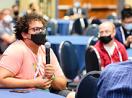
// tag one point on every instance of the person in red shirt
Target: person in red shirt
(109, 49)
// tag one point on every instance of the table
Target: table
(5, 93)
(79, 42)
(75, 39)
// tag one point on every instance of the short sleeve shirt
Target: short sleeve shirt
(21, 61)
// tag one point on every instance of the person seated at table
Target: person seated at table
(115, 81)
(23, 64)
(109, 49)
(76, 11)
(124, 32)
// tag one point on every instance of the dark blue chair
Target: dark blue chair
(70, 64)
(92, 59)
(68, 60)
(92, 30)
(52, 27)
(92, 40)
(87, 87)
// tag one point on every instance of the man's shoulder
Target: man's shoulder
(117, 69)
(18, 45)
(119, 66)
(119, 44)
(99, 46)
(114, 80)
(119, 28)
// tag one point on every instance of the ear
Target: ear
(24, 35)
(114, 33)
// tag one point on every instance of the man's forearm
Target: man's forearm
(16, 83)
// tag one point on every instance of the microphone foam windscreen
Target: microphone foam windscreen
(47, 45)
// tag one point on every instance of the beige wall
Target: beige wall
(6, 3)
(24, 5)
(128, 2)
(47, 7)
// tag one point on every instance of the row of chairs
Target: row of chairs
(70, 66)
(69, 61)
(79, 26)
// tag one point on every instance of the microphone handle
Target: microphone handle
(47, 55)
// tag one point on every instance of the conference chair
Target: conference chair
(92, 30)
(87, 87)
(68, 59)
(92, 40)
(69, 62)
(92, 59)
(52, 27)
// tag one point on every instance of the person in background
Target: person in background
(76, 11)
(109, 49)
(115, 81)
(34, 8)
(124, 32)
(23, 64)
(6, 29)
(94, 20)
(15, 11)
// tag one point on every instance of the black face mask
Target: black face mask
(16, 13)
(105, 39)
(39, 38)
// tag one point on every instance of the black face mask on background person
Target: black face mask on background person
(105, 39)
(39, 38)
(16, 13)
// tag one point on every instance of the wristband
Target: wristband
(53, 77)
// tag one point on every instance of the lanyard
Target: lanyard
(40, 67)
(119, 53)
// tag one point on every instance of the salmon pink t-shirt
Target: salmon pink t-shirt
(23, 63)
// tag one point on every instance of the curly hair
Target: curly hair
(22, 25)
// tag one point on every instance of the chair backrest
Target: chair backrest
(52, 27)
(68, 60)
(92, 30)
(92, 40)
(87, 87)
(92, 59)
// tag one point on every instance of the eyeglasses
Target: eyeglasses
(38, 29)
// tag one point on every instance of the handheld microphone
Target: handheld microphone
(47, 47)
